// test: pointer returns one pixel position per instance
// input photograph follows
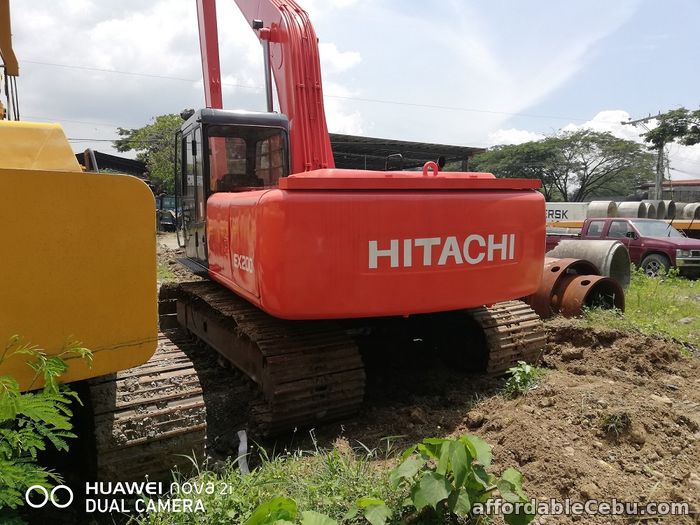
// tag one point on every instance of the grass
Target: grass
(668, 305)
(615, 424)
(326, 481)
(164, 273)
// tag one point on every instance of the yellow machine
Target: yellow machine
(79, 258)
(79, 265)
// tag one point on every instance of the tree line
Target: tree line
(585, 164)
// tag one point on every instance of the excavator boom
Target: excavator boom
(287, 35)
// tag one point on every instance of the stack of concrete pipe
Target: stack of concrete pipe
(687, 211)
(631, 210)
(598, 209)
(651, 208)
(579, 274)
(670, 209)
(646, 209)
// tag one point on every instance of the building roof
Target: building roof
(353, 152)
(112, 162)
(674, 183)
(349, 151)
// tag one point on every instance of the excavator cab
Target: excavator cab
(226, 151)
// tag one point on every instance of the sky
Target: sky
(465, 72)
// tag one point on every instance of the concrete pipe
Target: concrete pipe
(590, 291)
(692, 211)
(650, 209)
(631, 210)
(660, 209)
(545, 301)
(680, 206)
(601, 209)
(670, 209)
(610, 257)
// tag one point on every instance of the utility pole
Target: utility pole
(658, 181)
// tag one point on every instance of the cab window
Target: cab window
(618, 229)
(244, 157)
(595, 228)
(269, 160)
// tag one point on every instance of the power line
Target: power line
(660, 158)
(340, 97)
(92, 123)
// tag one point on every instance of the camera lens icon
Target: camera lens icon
(45, 496)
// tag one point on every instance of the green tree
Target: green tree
(531, 160)
(155, 146)
(574, 166)
(679, 125)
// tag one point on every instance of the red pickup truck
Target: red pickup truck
(653, 245)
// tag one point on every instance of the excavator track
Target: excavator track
(309, 372)
(148, 418)
(512, 331)
(152, 418)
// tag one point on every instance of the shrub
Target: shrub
(31, 420)
(523, 378)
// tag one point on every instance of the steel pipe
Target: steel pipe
(611, 258)
(545, 301)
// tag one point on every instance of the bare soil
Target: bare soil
(168, 255)
(555, 433)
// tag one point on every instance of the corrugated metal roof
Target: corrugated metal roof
(673, 183)
(355, 152)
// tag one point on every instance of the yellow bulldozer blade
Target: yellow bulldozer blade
(78, 259)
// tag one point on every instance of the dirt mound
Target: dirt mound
(618, 416)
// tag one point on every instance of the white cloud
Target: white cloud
(340, 119)
(513, 136)
(612, 122)
(335, 61)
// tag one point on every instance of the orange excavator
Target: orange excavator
(298, 254)
(304, 263)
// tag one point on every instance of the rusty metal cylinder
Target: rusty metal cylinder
(631, 210)
(590, 291)
(545, 301)
(601, 209)
(611, 258)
